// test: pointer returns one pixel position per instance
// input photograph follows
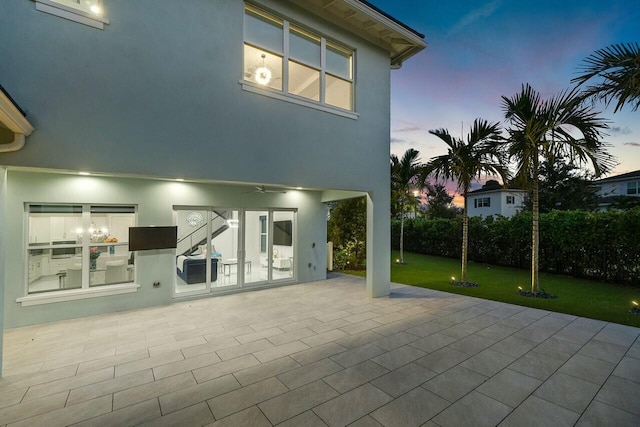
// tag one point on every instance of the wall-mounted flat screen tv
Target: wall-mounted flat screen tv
(147, 238)
(282, 233)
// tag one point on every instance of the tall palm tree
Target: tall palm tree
(618, 67)
(466, 161)
(560, 126)
(407, 176)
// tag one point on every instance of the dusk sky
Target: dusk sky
(481, 50)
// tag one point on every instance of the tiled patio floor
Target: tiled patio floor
(324, 354)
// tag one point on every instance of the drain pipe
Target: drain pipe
(17, 144)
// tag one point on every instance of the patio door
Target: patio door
(207, 247)
(223, 248)
(256, 247)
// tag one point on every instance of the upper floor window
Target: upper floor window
(633, 188)
(511, 200)
(87, 12)
(482, 202)
(284, 57)
(90, 6)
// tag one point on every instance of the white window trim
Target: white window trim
(284, 93)
(249, 87)
(70, 13)
(76, 294)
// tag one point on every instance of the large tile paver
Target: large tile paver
(245, 397)
(455, 383)
(474, 409)
(567, 391)
(403, 379)
(600, 415)
(352, 405)
(411, 409)
(355, 376)
(320, 354)
(620, 393)
(297, 401)
(538, 412)
(509, 387)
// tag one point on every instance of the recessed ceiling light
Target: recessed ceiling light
(84, 173)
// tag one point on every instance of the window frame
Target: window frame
(284, 94)
(85, 245)
(510, 199)
(482, 202)
(71, 13)
(633, 188)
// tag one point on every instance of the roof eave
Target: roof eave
(12, 117)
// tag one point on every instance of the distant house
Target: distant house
(494, 199)
(610, 190)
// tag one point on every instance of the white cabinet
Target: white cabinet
(38, 267)
(39, 229)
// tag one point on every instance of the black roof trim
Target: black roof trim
(13, 101)
(494, 189)
(633, 174)
(382, 12)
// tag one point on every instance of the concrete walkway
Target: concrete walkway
(324, 354)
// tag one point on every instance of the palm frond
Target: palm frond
(617, 70)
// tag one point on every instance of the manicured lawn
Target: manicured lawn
(574, 296)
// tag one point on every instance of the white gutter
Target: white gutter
(17, 144)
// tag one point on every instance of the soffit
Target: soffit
(363, 19)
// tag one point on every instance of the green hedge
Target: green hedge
(595, 245)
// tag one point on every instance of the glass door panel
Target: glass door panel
(225, 241)
(191, 251)
(283, 250)
(256, 247)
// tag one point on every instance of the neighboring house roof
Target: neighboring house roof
(496, 190)
(371, 23)
(621, 177)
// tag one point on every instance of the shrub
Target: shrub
(595, 245)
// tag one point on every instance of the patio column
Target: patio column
(3, 204)
(378, 243)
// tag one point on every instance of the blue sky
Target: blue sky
(481, 50)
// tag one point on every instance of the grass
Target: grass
(586, 298)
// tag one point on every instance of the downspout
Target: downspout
(17, 144)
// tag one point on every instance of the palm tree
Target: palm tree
(562, 126)
(618, 66)
(465, 162)
(407, 176)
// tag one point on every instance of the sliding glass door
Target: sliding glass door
(222, 248)
(256, 246)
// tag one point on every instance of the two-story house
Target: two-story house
(615, 189)
(494, 199)
(186, 148)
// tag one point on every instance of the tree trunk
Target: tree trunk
(535, 242)
(402, 234)
(465, 238)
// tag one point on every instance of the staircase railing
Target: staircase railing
(189, 243)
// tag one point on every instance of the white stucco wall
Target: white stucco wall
(498, 202)
(158, 93)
